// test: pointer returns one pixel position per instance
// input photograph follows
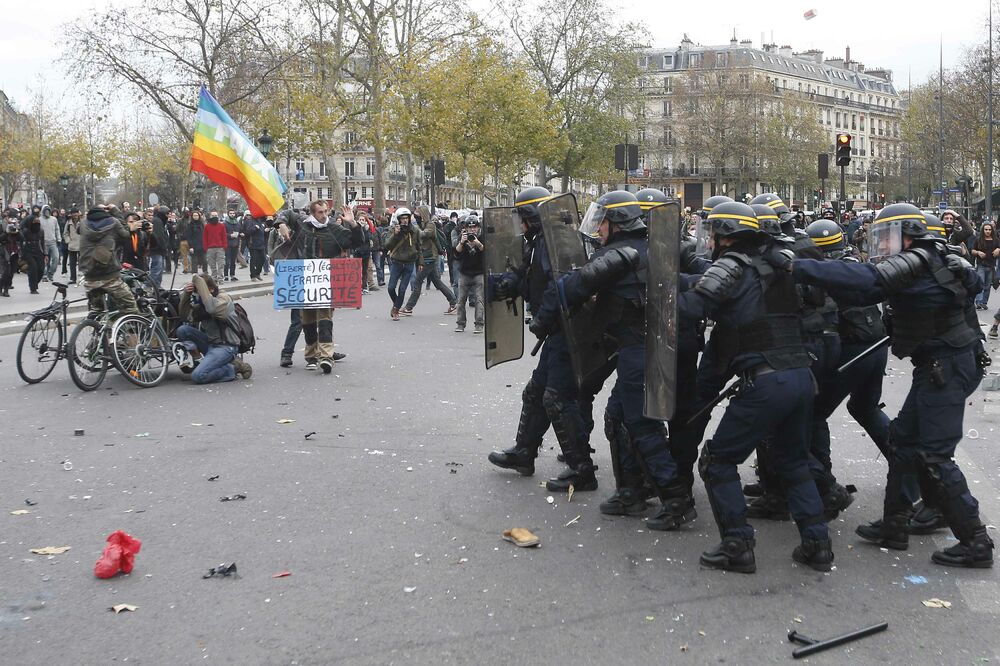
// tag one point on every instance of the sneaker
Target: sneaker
(452, 309)
(233, 278)
(372, 287)
(225, 279)
(394, 314)
(326, 365)
(286, 361)
(243, 369)
(993, 331)
(337, 356)
(405, 312)
(310, 364)
(477, 329)
(365, 292)
(460, 329)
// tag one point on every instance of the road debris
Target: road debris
(50, 550)
(521, 537)
(282, 574)
(118, 555)
(118, 608)
(936, 603)
(233, 498)
(223, 570)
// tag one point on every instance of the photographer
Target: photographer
(210, 332)
(469, 257)
(158, 245)
(10, 234)
(134, 251)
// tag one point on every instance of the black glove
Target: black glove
(503, 290)
(539, 328)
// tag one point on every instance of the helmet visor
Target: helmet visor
(886, 239)
(592, 220)
(702, 236)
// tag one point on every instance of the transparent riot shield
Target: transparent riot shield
(702, 233)
(502, 243)
(566, 252)
(664, 223)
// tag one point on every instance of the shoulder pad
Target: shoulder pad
(628, 254)
(903, 269)
(722, 276)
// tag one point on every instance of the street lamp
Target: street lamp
(264, 142)
(64, 181)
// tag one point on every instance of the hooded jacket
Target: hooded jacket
(32, 238)
(328, 241)
(403, 246)
(100, 233)
(158, 243)
(50, 226)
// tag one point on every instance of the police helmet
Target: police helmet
(911, 221)
(619, 208)
(527, 200)
(732, 218)
(711, 203)
(827, 235)
(769, 221)
(935, 227)
(773, 201)
(650, 197)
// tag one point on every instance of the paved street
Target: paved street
(389, 520)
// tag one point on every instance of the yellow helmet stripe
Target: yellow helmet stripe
(743, 219)
(622, 203)
(940, 230)
(531, 201)
(775, 203)
(646, 205)
(768, 217)
(906, 216)
(829, 240)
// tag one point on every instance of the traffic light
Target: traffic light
(843, 149)
(881, 197)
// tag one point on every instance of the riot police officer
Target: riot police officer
(702, 232)
(753, 298)
(550, 396)
(934, 324)
(616, 275)
(777, 205)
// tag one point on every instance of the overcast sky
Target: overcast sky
(895, 34)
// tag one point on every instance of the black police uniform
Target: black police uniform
(757, 307)
(616, 274)
(935, 325)
(550, 396)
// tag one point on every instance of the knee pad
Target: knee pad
(532, 393)
(707, 460)
(553, 404)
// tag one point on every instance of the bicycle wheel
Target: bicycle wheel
(39, 348)
(140, 350)
(88, 361)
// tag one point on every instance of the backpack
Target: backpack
(241, 325)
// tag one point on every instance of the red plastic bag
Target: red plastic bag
(119, 555)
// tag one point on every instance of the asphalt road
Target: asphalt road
(389, 520)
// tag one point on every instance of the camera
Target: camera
(470, 237)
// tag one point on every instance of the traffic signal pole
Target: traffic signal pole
(841, 197)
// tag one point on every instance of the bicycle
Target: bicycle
(88, 350)
(41, 345)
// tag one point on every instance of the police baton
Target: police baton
(538, 345)
(864, 354)
(727, 392)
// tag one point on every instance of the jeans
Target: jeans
(470, 287)
(156, 269)
(399, 274)
(73, 257)
(986, 274)
(430, 272)
(216, 361)
(294, 331)
(379, 265)
(317, 324)
(52, 251)
(258, 261)
(229, 270)
(64, 251)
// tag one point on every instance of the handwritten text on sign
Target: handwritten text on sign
(317, 283)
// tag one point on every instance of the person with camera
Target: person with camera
(429, 266)
(469, 258)
(134, 251)
(403, 246)
(71, 232)
(33, 250)
(101, 235)
(210, 333)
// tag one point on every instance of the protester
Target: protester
(210, 333)
(234, 236)
(53, 237)
(33, 250)
(469, 257)
(255, 233)
(158, 246)
(403, 248)
(196, 242)
(100, 236)
(430, 253)
(985, 250)
(215, 246)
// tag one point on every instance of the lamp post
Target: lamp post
(264, 143)
(64, 181)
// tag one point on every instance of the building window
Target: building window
(370, 166)
(351, 138)
(300, 165)
(668, 109)
(828, 121)
(322, 168)
(838, 118)
(668, 62)
(721, 59)
(329, 193)
(854, 121)
(668, 85)
(349, 166)
(696, 60)
(641, 135)
(643, 61)
(364, 192)
(744, 81)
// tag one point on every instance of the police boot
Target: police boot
(580, 477)
(835, 498)
(677, 508)
(889, 532)
(927, 520)
(733, 554)
(816, 555)
(628, 499)
(974, 551)
(519, 459)
(769, 506)
(753, 490)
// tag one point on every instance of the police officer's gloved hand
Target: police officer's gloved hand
(502, 289)
(541, 326)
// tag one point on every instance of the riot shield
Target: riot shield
(664, 224)
(502, 243)
(566, 250)
(702, 235)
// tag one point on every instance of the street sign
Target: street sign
(942, 205)
(955, 190)
(936, 192)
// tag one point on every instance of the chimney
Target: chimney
(733, 42)
(686, 43)
(746, 42)
(847, 56)
(785, 51)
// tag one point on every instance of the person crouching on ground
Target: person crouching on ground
(210, 332)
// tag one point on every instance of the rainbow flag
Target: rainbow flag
(226, 156)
